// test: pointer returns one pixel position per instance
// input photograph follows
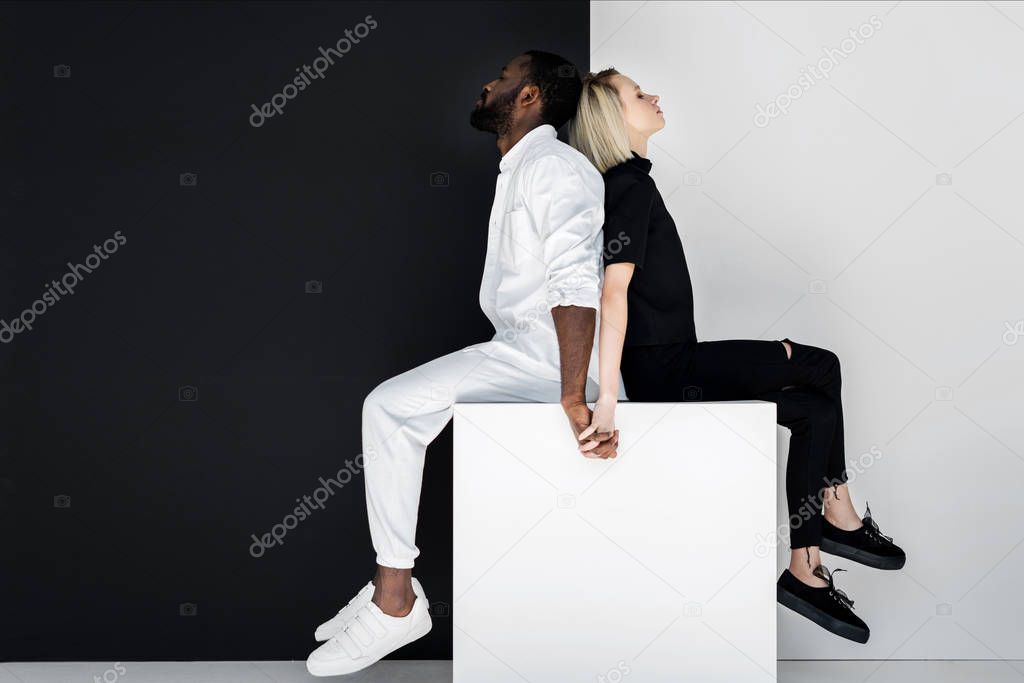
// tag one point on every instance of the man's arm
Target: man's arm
(574, 326)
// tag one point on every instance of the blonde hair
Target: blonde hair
(599, 130)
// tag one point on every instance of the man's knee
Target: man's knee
(406, 393)
(382, 397)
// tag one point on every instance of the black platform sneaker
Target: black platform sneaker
(827, 606)
(866, 545)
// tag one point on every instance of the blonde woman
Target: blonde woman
(647, 332)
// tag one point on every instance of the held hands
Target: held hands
(595, 431)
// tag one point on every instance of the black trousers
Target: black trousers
(806, 391)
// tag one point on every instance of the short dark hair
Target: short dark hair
(559, 83)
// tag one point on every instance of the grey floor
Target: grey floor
(886, 671)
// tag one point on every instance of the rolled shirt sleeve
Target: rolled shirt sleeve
(566, 204)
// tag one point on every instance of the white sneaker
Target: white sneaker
(367, 637)
(329, 628)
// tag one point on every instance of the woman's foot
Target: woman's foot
(826, 606)
(865, 544)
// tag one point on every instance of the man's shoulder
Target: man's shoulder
(553, 153)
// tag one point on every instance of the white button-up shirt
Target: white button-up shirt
(544, 249)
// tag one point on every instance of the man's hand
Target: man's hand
(579, 419)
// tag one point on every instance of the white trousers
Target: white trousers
(405, 413)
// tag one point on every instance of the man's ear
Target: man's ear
(529, 95)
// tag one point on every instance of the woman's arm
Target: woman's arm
(614, 314)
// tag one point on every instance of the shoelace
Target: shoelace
(839, 595)
(872, 526)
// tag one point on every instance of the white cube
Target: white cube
(655, 567)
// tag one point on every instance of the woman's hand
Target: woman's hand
(602, 425)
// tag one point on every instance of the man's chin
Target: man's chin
(480, 123)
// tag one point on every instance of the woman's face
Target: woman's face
(640, 109)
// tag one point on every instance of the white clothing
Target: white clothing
(544, 249)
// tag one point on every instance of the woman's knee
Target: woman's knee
(812, 407)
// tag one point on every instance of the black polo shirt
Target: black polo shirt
(638, 229)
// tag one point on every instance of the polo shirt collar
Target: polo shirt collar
(545, 130)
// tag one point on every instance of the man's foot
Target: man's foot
(329, 628)
(867, 544)
(827, 607)
(367, 637)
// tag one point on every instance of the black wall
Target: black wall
(208, 291)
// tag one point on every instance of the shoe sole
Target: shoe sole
(864, 557)
(414, 635)
(830, 624)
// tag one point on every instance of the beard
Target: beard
(495, 117)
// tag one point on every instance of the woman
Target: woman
(648, 284)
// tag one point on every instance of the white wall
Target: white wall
(829, 225)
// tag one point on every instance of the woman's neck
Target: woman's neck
(638, 143)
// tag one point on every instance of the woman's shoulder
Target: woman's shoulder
(620, 181)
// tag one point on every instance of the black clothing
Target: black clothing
(637, 225)
(867, 545)
(827, 606)
(805, 388)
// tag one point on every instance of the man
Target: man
(541, 288)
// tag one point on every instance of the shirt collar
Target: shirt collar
(639, 162)
(545, 130)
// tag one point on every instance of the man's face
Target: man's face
(494, 110)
